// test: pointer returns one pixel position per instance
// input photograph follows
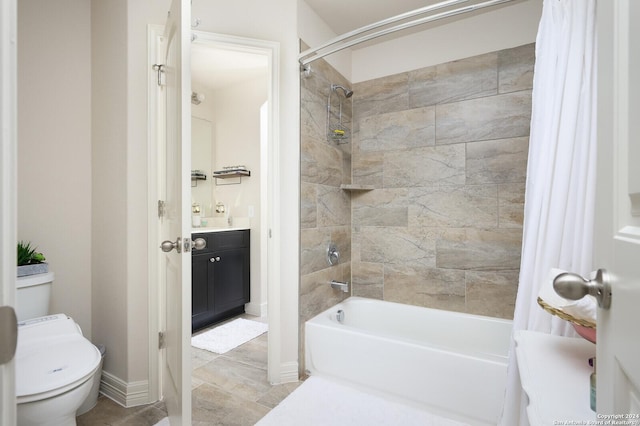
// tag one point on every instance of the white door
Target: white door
(8, 209)
(176, 222)
(618, 208)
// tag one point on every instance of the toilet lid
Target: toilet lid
(52, 363)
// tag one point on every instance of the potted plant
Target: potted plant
(30, 262)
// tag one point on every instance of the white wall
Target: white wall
(237, 134)
(505, 27)
(120, 188)
(54, 146)
(314, 32)
(140, 13)
(109, 177)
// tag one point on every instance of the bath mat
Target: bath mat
(307, 405)
(163, 422)
(228, 336)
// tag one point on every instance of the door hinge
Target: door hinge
(161, 340)
(162, 208)
(159, 68)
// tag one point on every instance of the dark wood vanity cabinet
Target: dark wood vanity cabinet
(220, 277)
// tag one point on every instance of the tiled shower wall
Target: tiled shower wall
(325, 209)
(445, 149)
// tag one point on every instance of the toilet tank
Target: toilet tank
(33, 293)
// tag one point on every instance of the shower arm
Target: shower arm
(306, 57)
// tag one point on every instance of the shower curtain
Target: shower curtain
(560, 189)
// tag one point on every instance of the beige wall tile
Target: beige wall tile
(308, 205)
(492, 293)
(313, 249)
(429, 287)
(334, 206)
(479, 249)
(511, 205)
(367, 168)
(381, 95)
(402, 246)
(397, 130)
(424, 166)
(454, 81)
(368, 279)
(454, 206)
(515, 68)
(320, 163)
(493, 117)
(380, 207)
(497, 161)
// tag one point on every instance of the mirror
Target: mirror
(202, 162)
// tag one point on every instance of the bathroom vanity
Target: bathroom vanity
(220, 276)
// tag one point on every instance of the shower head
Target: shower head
(347, 92)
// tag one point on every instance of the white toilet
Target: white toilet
(55, 363)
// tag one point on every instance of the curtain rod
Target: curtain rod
(302, 58)
(382, 23)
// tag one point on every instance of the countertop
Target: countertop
(220, 224)
(555, 372)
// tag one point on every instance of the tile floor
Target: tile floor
(227, 390)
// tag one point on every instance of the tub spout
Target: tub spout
(340, 285)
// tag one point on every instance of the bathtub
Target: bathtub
(449, 363)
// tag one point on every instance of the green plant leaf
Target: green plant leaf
(27, 255)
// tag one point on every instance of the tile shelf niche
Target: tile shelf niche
(352, 187)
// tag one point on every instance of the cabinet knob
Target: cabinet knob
(217, 258)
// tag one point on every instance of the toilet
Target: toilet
(55, 364)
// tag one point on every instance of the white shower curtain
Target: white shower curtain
(560, 190)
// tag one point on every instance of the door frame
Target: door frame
(270, 270)
(8, 188)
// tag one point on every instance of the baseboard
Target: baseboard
(289, 372)
(258, 310)
(125, 394)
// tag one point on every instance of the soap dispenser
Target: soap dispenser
(195, 215)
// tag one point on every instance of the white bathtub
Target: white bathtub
(449, 363)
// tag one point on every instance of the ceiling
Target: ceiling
(213, 67)
(346, 15)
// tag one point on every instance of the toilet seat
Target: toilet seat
(52, 357)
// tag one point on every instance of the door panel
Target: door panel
(618, 207)
(8, 198)
(175, 225)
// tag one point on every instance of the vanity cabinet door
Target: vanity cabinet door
(201, 287)
(231, 278)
